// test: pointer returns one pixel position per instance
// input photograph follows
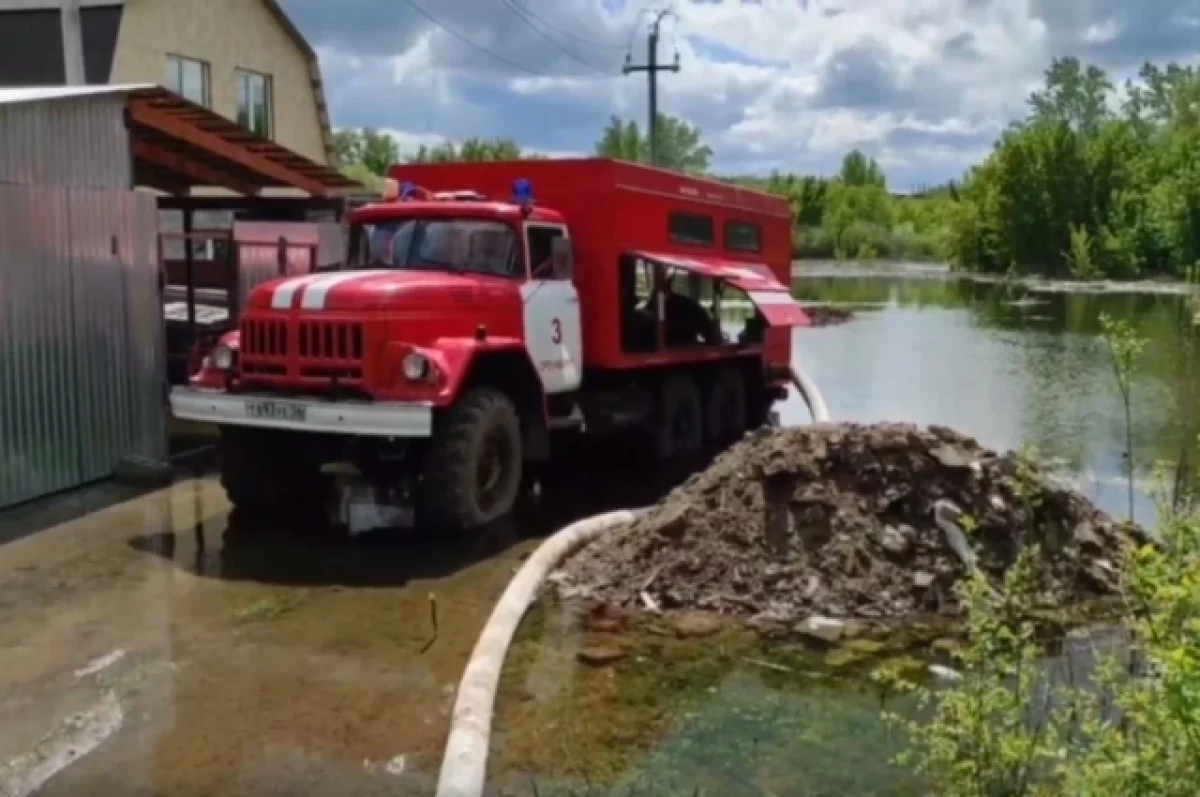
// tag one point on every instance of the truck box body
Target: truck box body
(613, 208)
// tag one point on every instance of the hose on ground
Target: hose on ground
(464, 764)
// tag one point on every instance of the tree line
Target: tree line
(1094, 182)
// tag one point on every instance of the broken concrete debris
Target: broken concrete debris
(811, 526)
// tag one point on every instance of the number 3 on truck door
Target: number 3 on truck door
(553, 334)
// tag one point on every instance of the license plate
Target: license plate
(276, 411)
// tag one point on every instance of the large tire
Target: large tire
(679, 432)
(471, 475)
(725, 409)
(263, 470)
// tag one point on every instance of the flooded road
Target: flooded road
(159, 646)
(162, 647)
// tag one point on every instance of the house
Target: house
(239, 58)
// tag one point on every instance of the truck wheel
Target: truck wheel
(726, 407)
(266, 471)
(680, 432)
(472, 472)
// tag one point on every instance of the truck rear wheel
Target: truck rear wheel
(726, 407)
(680, 419)
(263, 470)
(472, 472)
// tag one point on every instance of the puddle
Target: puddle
(244, 658)
(729, 714)
(674, 706)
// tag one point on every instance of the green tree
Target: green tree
(1126, 182)
(858, 170)
(680, 144)
(368, 146)
(472, 150)
(1073, 93)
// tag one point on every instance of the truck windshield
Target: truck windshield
(475, 245)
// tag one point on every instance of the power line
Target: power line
(521, 15)
(652, 67)
(470, 43)
(634, 29)
(569, 34)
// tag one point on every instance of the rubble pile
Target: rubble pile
(870, 521)
(823, 315)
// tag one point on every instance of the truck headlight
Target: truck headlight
(222, 358)
(415, 367)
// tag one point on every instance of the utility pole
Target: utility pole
(652, 67)
(72, 42)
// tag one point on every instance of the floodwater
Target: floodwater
(1013, 366)
(160, 646)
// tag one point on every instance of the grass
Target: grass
(268, 609)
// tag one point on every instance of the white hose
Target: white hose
(811, 395)
(464, 764)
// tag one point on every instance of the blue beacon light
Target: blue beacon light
(522, 192)
(406, 191)
(522, 195)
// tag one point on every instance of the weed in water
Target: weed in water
(267, 609)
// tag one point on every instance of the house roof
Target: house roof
(314, 73)
(178, 144)
(277, 13)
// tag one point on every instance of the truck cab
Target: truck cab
(466, 329)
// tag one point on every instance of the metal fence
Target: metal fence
(81, 336)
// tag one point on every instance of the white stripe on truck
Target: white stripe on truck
(286, 292)
(315, 288)
(316, 293)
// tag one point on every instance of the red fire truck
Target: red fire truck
(483, 309)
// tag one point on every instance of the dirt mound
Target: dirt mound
(824, 315)
(854, 529)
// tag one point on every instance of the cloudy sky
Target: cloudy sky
(924, 85)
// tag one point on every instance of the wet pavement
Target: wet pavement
(164, 646)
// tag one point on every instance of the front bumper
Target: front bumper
(373, 419)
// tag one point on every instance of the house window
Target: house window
(743, 236)
(254, 102)
(189, 78)
(690, 228)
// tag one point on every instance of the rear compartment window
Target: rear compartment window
(692, 229)
(743, 236)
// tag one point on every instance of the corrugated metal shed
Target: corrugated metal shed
(81, 345)
(66, 136)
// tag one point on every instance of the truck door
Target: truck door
(553, 333)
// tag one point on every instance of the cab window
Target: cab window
(479, 246)
(543, 264)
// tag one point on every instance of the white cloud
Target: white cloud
(925, 85)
